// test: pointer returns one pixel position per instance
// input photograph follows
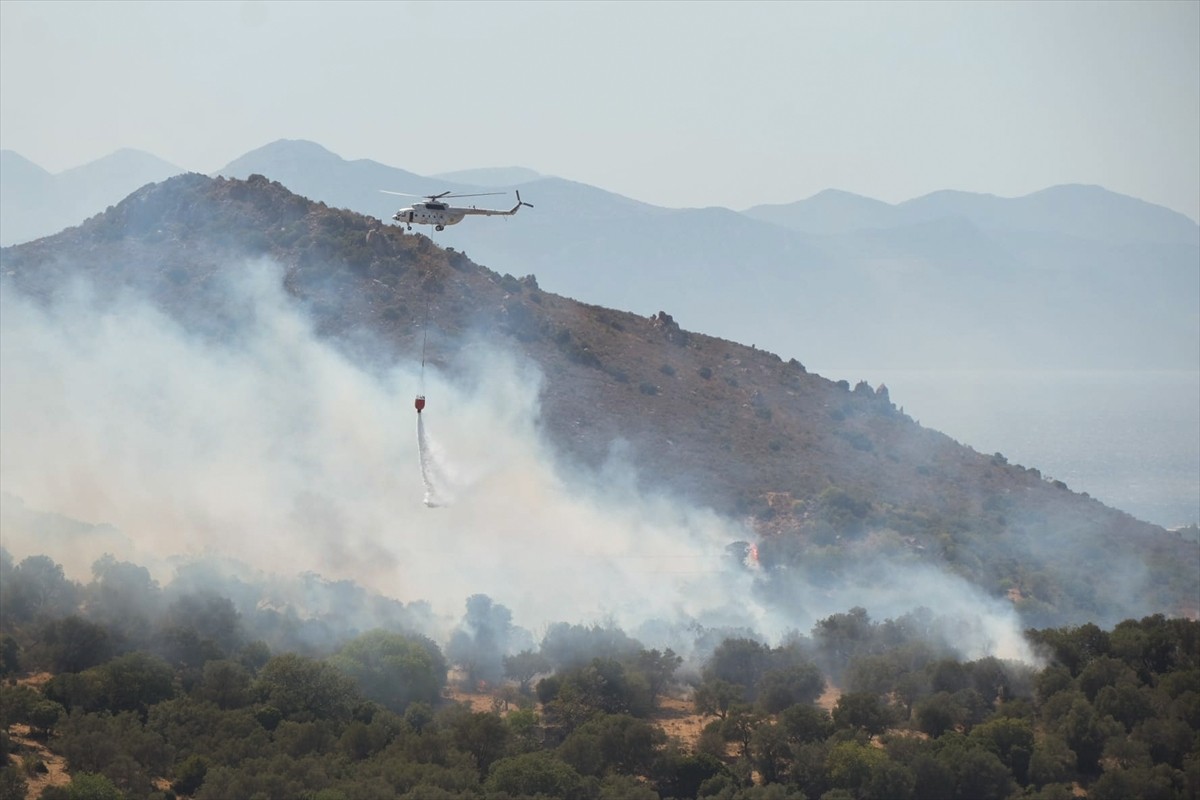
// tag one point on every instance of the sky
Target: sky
(672, 103)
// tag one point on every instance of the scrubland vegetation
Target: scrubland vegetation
(184, 691)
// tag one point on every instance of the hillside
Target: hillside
(831, 475)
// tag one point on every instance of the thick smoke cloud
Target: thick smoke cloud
(268, 446)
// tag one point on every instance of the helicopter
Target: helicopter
(438, 214)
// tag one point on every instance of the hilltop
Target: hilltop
(829, 473)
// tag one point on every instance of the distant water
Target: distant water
(1131, 439)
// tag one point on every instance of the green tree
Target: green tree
(393, 669)
(44, 716)
(715, 697)
(602, 686)
(74, 644)
(189, 775)
(136, 681)
(125, 600)
(938, 713)
(10, 656)
(805, 723)
(862, 711)
(612, 743)
(850, 764)
(524, 666)
(1011, 740)
(1086, 732)
(1052, 761)
(979, 774)
(481, 734)
(91, 786)
(770, 751)
(658, 668)
(798, 684)
(13, 785)
(225, 683)
(681, 775)
(741, 662)
(304, 689)
(37, 588)
(538, 773)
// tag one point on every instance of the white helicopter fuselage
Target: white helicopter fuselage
(439, 215)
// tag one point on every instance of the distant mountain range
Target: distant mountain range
(35, 203)
(1068, 277)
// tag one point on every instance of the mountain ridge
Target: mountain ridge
(818, 465)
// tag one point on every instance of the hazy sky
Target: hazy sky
(677, 104)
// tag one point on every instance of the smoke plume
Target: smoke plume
(269, 446)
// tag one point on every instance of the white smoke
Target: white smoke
(273, 448)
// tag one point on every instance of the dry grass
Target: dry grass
(829, 697)
(56, 766)
(677, 719)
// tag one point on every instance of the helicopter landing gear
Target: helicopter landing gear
(439, 227)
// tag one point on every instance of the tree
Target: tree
(770, 751)
(568, 646)
(862, 711)
(937, 714)
(304, 689)
(741, 662)
(612, 742)
(602, 686)
(978, 773)
(658, 668)
(841, 637)
(226, 683)
(481, 734)
(90, 786)
(524, 667)
(799, 684)
(37, 587)
(682, 775)
(200, 627)
(739, 726)
(1086, 732)
(532, 774)
(393, 669)
(10, 656)
(189, 775)
(136, 681)
(715, 697)
(1011, 740)
(1052, 761)
(124, 599)
(43, 716)
(805, 723)
(13, 785)
(850, 764)
(74, 644)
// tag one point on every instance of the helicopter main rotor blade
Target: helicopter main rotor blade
(480, 194)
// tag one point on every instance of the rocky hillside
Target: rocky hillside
(828, 471)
